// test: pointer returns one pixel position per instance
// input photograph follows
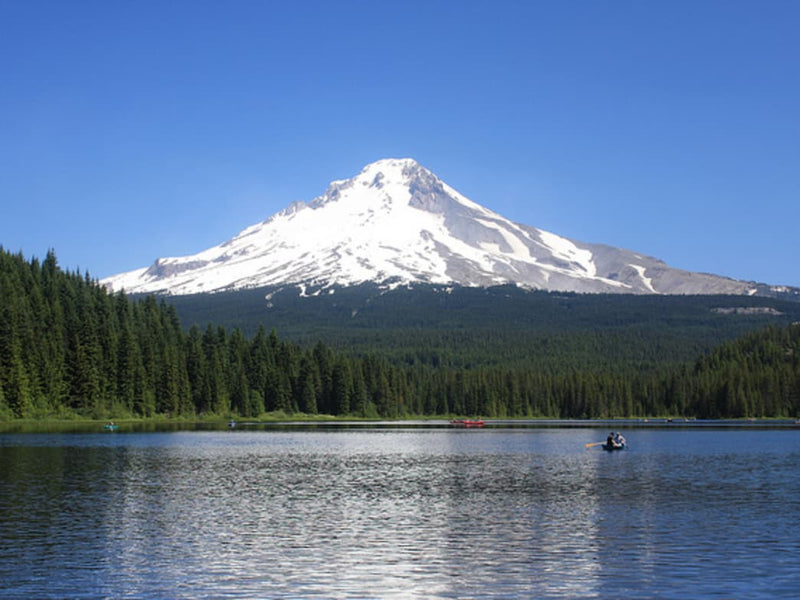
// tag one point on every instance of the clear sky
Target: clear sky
(132, 130)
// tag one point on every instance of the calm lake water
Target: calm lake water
(400, 513)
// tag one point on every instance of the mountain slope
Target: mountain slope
(396, 222)
(508, 325)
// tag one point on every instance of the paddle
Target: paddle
(589, 445)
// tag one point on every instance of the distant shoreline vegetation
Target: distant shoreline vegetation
(283, 422)
(71, 349)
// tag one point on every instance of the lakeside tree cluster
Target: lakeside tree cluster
(68, 347)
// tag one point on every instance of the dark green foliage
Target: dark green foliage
(68, 347)
(500, 326)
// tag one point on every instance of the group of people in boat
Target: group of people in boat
(615, 440)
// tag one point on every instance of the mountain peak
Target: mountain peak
(396, 171)
(396, 222)
(391, 164)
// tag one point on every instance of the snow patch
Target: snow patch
(648, 282)
(567, 250)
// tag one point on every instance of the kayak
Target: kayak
(110, 427)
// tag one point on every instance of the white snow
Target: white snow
(567, 250)
(365, 229)
(648, 283)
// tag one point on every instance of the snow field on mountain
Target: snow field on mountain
(396, 222)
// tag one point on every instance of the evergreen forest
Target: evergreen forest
(69, 348)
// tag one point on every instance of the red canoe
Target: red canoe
(466, 423)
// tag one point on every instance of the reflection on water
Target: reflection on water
(400, 513)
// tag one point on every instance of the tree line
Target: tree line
(506, 326)
(68, 347)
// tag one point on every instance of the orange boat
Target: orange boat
(466, 423)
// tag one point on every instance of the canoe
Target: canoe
(467, 423)
(108, 427)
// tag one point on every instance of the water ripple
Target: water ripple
(366, 514)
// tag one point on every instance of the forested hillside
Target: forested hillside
(69, 348)
(503, 326)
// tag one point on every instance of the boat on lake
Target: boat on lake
(110, 427)
(467, 423)
(613, 447)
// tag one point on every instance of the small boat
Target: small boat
(110, 427)
(613, 447)
(467, 423)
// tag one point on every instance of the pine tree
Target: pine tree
(341, 387)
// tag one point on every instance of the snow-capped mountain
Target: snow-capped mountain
(396, 222)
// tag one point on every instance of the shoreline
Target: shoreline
(166, 424)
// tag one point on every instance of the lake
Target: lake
(400, 512)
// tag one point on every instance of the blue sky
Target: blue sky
(132, 130)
